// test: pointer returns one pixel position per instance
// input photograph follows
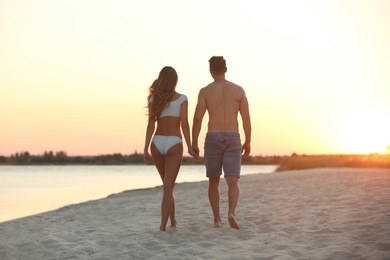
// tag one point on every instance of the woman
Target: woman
(169, 109)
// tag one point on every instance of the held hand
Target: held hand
(195, 150)
(192, 152)
(146, 158)
(246, 149)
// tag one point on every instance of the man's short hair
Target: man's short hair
(217, 65)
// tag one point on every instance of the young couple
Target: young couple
(223, 100)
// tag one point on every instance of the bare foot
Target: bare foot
(162, 228)
(217, 223)
(174, 224)
(232, 221)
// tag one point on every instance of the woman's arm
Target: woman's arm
(149, 133)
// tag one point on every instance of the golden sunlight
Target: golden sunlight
(364, 131)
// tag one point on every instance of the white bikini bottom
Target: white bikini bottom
(164, 143)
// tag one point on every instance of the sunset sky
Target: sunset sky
(74, 74)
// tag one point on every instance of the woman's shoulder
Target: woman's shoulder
(180, 97)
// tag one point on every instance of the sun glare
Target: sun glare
(365, 131)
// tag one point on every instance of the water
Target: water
(28, 190)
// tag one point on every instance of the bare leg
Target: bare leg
(214, 198)
(233, 196)
(171, 166)
(172, 216)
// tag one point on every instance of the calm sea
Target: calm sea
(28, 190)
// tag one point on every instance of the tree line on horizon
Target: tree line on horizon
(292, 162)
(61, 158)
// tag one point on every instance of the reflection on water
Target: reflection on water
(28, 190)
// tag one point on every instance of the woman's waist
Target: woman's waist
(162, 133)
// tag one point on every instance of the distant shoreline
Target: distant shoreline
(293, 162)
(61, 158)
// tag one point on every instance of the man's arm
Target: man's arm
(197, 123)
(246, 124)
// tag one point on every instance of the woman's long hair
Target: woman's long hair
(161, 91)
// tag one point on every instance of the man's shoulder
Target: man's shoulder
(235, 85)
(227, 84)
(206, 88)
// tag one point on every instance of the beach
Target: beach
(326, 213)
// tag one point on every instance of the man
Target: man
(223, 100)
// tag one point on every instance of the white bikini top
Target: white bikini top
(173, 109)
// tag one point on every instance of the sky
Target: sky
(74, 74)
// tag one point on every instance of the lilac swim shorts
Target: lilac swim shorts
(222, 150)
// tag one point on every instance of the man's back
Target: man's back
(223, 148)
(223, 100)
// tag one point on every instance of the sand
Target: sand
(339, 213)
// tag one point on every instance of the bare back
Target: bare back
(223, 101)
(170, 125)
